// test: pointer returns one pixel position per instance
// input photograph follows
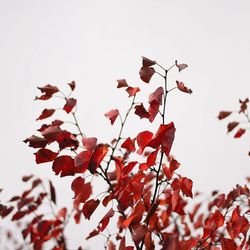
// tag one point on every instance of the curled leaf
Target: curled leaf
(112, 115)
(183, 88)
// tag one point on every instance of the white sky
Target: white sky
(97, 42)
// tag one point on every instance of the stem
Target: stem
(157, 183)
(119, 136)
(77, 125)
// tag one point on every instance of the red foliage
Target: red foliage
(144, 195)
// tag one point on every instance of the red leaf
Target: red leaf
(174, 164)
(141, 111)
(228, 244)
(52, 192)
(164, 136)
(146, 73)
(152, 158)
(89, 143)
(142, 140)
(100, 152)
(46, 113)
(132, 91)
(186, 187)
(112, 115)
(70, 104)
(231, 126)
(72, 85)
(122, 83)
(89, 207)
(181, 66)
(105, 220)
(92, 234)
(81, 189)
(156, 96)
(36, 142)
(45, 155)
(153, 111)
(27, 178)
(147, 62)
(171, 242)
(65, 165)
(224, 114)
(82, 161)
(48, 91)
(239, 133)
(129, 144)
(183, 88)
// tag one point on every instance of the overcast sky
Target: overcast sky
(97, 42)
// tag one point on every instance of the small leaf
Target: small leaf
(146, 73)
(231, 126)
(52, 192)
(141, 111)
(112, 115)
(122, 83)
(72, 85)
(224, 114)
(70, 104)
(129, 144)
(183, 88)
(180, 66)
(239, 133)
(147, 62)
(46, 113)
(132, 91)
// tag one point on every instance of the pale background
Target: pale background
(97, 42)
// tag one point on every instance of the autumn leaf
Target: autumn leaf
(146, 73)
(98, 155)
(141, 111)
(224, 114)
(129, 144)
(89, 207)
(70, 104)
(48, 90)
(36, 141)
(181, 66)
(231, 126)
(156, 96)
(183, 88)
(147, 62)
(132, 91)
(239, 133)
(65, 165)
(52, 192)
(45, 155)
(105, 220)
(72, 85)
(122, 83)
(89, 143)
(46, 113)
(112, 115)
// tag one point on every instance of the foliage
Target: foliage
(145, 195)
